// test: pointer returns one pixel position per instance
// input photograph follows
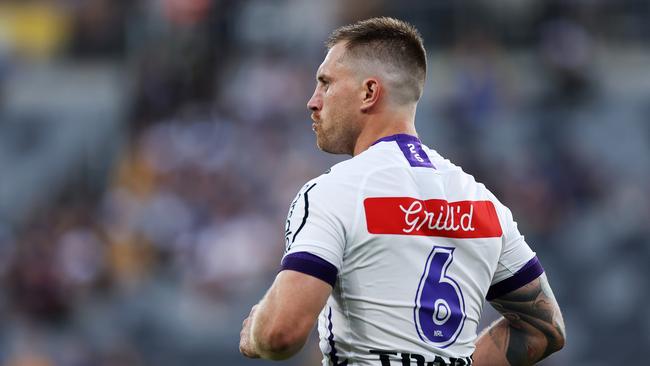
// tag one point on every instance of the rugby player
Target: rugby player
(395, 250)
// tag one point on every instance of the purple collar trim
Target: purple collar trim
(400, 137)
(411, 148)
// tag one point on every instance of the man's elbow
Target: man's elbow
(280, 344)
(554, 338)
(558, 340)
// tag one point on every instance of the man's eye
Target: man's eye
(323, 83)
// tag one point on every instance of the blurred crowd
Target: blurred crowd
(149, 151)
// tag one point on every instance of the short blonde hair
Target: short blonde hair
(392, 42)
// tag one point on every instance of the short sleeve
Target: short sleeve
(518, 264)
(315, 230)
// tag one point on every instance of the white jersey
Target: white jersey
(412, 246)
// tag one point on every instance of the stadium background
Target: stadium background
(149, 150)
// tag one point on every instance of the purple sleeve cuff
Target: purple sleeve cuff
(525, 275)
(312, 265)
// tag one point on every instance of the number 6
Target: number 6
(439, 311)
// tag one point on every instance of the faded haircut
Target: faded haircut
(394, 43)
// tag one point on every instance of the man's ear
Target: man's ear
(372, 90)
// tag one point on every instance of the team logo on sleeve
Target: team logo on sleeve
(411, 216)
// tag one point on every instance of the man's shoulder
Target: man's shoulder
(350, 169)
(459, 181)
(375, 158)
(338, 178)
(341, 181)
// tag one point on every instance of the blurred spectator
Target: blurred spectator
(566, 52)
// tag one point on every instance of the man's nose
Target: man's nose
(314, 103)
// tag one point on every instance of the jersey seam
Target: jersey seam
(342, 283)
(504, 213)
(514, 271)
(311, 244)
(355, 224)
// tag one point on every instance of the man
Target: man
(397, 247)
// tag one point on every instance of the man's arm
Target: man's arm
(280, 324)
(531, 328)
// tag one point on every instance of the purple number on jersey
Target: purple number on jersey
(439, 304)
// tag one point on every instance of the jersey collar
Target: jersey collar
(411, 148)
(400, 137)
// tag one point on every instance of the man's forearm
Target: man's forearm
(267, 340)
(531, 329)
(269, 343)
(280, 324)
(503, 344)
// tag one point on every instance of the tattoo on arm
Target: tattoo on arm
(533, 325)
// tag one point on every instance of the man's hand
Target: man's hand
(245, 341)
(279, 325)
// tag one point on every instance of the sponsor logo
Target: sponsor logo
(434, 217)
(420, 360)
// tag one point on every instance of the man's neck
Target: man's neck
(369, 135)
